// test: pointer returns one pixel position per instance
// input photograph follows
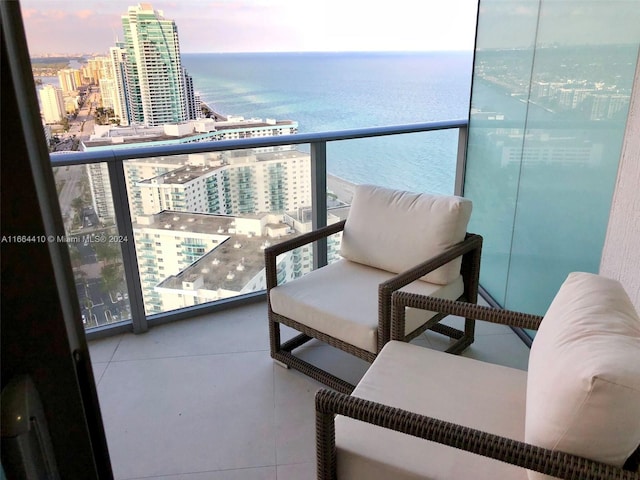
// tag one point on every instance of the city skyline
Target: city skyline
(74, 26)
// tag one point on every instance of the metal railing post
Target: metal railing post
(461, 163)
(124, 224)
(319, 199)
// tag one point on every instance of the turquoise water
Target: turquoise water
(337, 91)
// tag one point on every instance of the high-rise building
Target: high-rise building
(101, 195)
(237, 183)
(188, 258)
(93, 70)
(193, 104)
(70, 79)
(52, 103)
(117, 56)
(154, 75)
(108, 85)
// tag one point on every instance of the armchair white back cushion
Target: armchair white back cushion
(583, 386)
(394, 230)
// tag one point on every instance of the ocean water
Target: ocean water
(338, 91)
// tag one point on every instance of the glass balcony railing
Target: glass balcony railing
(180, 230)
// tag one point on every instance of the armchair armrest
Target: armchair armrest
(270, 253)
(472, 244)
(555, 463)
(400, 300)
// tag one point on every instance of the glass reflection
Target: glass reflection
(549, 107)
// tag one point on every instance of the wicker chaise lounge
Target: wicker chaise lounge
(390, 240)
(575, 414)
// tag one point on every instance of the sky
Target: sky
(91, 26)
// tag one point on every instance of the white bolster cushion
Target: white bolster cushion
(583, 386)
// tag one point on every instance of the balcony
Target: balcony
(201, 398)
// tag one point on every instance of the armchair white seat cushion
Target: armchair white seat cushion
(341, 300)
(431, 383)
(584, 373)
(416, 226)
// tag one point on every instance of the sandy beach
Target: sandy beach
(342, 188)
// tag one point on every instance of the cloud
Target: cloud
(57, 15)
(29, 13)
(84, 14)
(258, 25)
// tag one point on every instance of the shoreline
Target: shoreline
(340, 187)
(217, 116)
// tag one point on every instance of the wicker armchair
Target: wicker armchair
(568, 427)
(391, 240)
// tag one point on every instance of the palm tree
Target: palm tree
(77, 204)
(111, 277)
(107, 252)
(75, 255)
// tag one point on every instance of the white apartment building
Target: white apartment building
(231, 183)
(169, 244)
(108, 84)
(94, 68)
(262, 174)
(70, 80)
(139, 170)
(52, 101)
(184, 189)
(118, 99)
(108, 93)
(100, 187)
(236, 127)
(112, 137)
(196, 258)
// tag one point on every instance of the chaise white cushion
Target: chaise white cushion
(583, 391)
(325, 299)
(394, 230)
(452, 388)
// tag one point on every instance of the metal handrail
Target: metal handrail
(62, 159)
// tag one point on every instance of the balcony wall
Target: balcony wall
(621, 255)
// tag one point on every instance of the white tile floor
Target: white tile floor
(201, 398)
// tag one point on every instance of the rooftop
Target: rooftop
(232, 264)
(182, 175)
(191, 222)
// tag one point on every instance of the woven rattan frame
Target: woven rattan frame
(550, 462)
(470, 250)
(554, 463)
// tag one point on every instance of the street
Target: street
(82, 126)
